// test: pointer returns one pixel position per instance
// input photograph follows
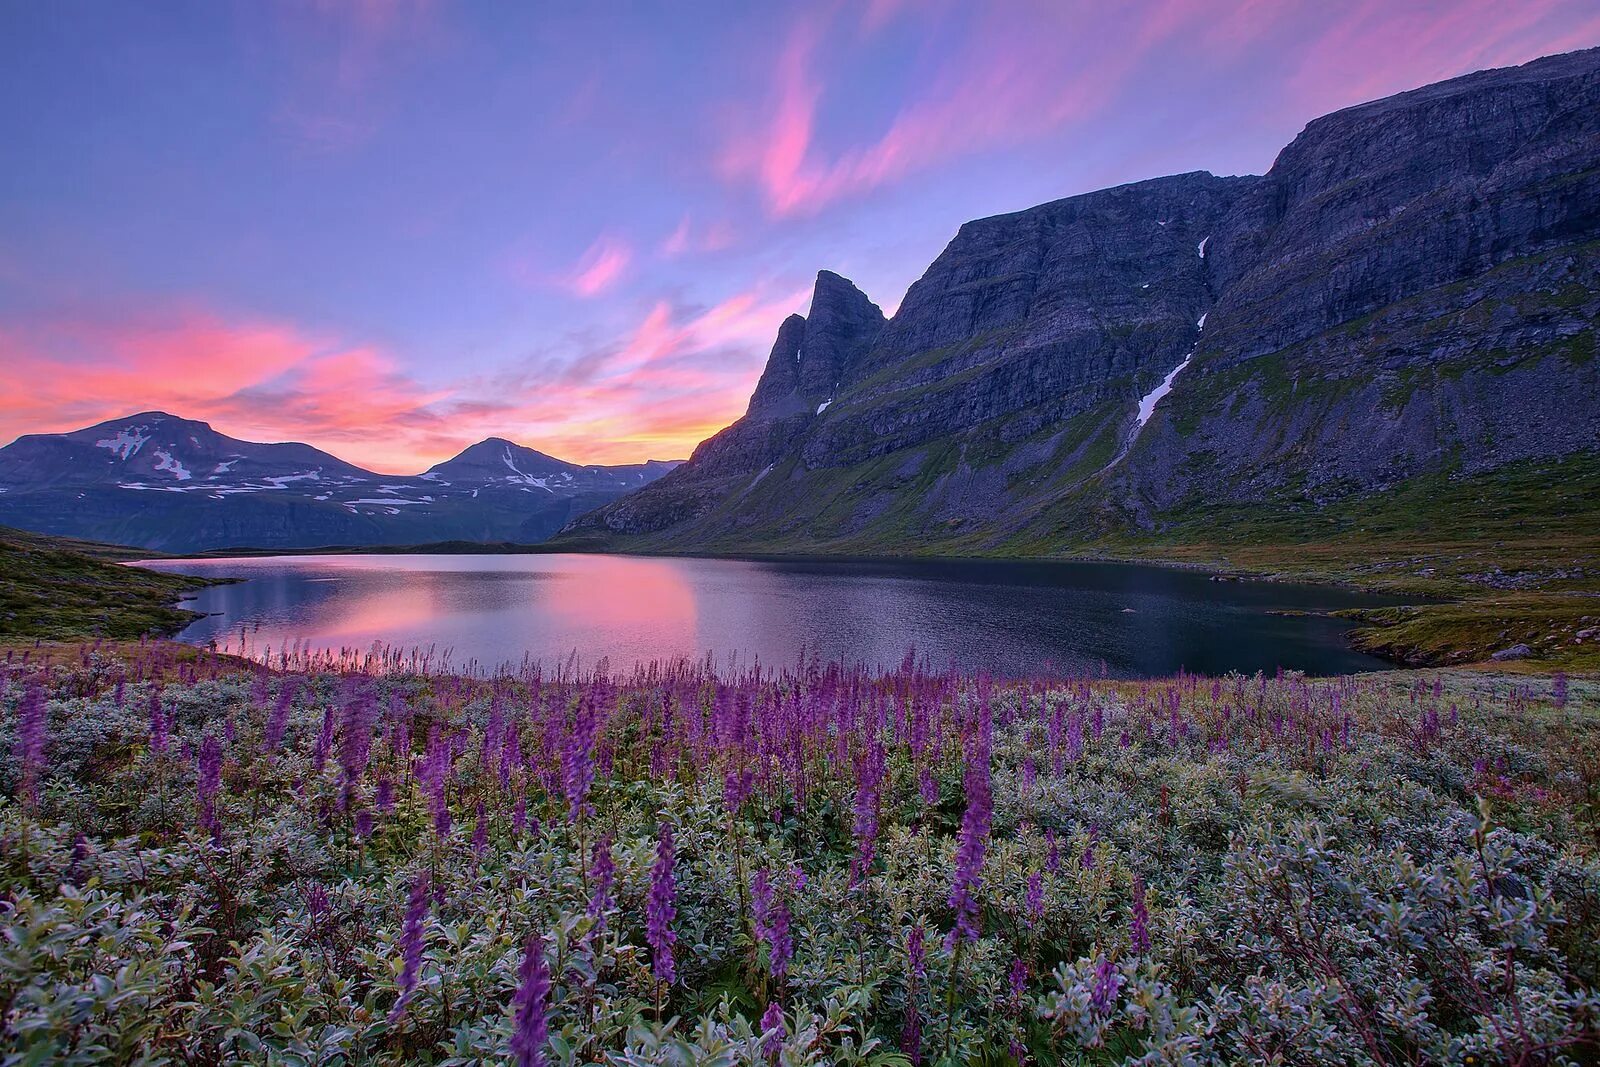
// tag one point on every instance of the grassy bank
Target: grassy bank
(58, 589)
(1511, 557)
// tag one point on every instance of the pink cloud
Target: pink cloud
(601, 266)
(265, 381)
(1029, 71)
(1012, 80)
(1376, 48)
(687, 238)
(669, 379)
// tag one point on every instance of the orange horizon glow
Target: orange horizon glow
(656, 395)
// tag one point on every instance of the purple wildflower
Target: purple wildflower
(411, 944)
(1107, 984)
(917, 953)
(32, 721)
(278, 720)
(974, 842)
(207, 781)
(775, 1028)
(1034, 898)
(1139, 930)
(917, 966)
(324, 742)
(1017, 979)
(869, 774)
(1558, 688)
(435, 775)
(359, 715)
(577, 760)
(771, 916)
(659, 907)
(533, 1030)
(159, 727)
(480, 833)
(602, 872)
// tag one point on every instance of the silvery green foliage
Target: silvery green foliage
(1323, 883)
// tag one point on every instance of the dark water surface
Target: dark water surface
(1007, 617)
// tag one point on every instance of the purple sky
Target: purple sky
(393, 228)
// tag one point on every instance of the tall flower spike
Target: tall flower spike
(660, 907)
(602, 872)
(1139, 929)
(773, 1026)
(917, 953)
(577, 757)
(533, 1029)
(771, 916)
(32, 720)
(1035, 897)
(159, 728)
(278, 720)
(974, 840)
(208, 780)
(411, 944)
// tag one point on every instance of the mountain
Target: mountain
(161, 482)
(1401, 310)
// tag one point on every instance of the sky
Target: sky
(391, 228)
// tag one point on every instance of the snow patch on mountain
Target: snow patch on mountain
(127, 442)
(166, 461)
(280, 480)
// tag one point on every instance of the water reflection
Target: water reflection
(1009, 618)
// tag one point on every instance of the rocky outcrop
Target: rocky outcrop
(810, 359)
(1407, 291)
(1411, 290)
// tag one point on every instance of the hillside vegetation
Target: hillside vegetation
(57, 589)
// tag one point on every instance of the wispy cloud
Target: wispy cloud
(343, 50)
(689, 238)
(1012, 79)
(601, 267)
(1025, 72)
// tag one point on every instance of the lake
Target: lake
(1010, 618)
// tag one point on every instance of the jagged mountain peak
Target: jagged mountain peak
(814, 354)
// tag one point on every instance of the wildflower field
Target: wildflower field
(207, 861)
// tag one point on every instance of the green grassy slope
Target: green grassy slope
(60, 589)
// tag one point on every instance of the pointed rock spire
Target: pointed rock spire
(812, 355)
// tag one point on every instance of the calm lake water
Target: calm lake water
(1009, 618)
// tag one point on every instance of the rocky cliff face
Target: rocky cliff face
(1411, 290)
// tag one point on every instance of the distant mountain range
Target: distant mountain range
(158, 481)
(1407, 300)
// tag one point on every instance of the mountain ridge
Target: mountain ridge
(1357, 317)
(159, 481)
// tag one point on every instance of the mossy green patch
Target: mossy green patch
(58, 589)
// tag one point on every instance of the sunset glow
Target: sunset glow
(391, 229)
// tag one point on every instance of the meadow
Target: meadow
(361, 860)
